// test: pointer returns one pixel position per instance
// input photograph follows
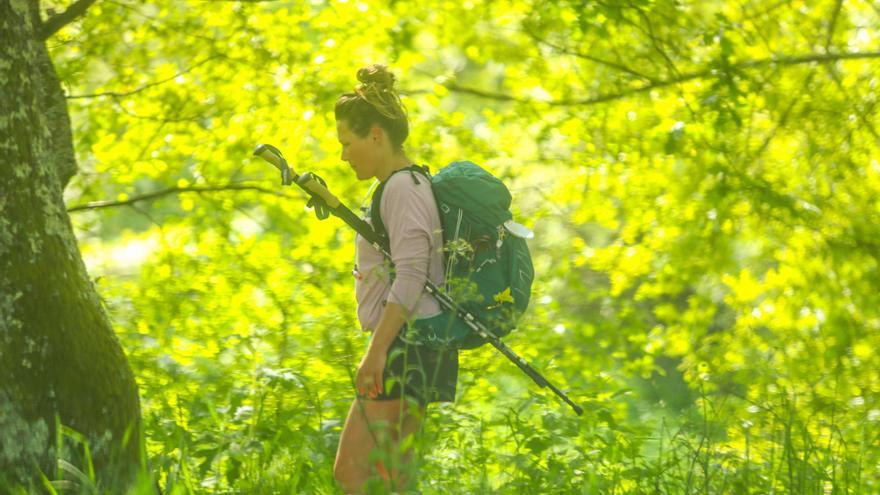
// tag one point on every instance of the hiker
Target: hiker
(396, 379)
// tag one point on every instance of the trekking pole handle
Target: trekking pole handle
(273, 155)
(270, 154)
(308, 182)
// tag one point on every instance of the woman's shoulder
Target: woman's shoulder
(406, 183)
(406, 193)
(408, 176)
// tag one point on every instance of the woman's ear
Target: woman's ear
(377, 134)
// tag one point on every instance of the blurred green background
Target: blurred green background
(702, 178)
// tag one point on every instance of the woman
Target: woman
(395, 379)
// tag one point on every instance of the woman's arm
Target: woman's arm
(369, 375)
(406, 210)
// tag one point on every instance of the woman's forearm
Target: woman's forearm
(393, 318)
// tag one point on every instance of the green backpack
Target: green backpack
(487, 263)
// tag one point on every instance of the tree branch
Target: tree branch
(832, 25)
(174, 190)
(783, 120)
(833, 73)
(689, 76)
(655, 43)
(147, 86)
(586, 56)
(55, 23)
(768, 9)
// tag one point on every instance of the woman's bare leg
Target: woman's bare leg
(390, 421)
(402, 465)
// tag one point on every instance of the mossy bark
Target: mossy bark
(60, 362)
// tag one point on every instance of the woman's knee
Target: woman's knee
(349, 478)
(352, 478)
(372, 425)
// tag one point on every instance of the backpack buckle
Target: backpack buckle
(519, 230)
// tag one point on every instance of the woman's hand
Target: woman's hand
(369, 374)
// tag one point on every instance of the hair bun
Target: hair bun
(376, 77)
(375, 101)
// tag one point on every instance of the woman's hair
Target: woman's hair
(374, 102)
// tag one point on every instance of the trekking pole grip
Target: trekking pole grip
(273, 155)
(270, 154)
(313, 185)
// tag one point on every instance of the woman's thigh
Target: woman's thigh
(369, 422)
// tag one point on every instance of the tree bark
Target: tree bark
(60, 362)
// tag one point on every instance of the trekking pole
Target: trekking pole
(322, 198)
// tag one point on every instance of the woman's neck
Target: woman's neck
(397, 162)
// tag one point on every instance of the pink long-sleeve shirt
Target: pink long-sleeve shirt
(409, 213)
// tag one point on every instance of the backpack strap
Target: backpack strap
(376, 202)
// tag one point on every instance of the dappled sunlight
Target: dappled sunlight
(700, 177)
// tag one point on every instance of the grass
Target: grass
(534, 448)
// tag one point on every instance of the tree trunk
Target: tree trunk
(60, 362)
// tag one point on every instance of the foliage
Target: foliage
(700, 175)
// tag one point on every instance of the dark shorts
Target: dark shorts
(419, 372)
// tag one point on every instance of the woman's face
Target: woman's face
(361, 153)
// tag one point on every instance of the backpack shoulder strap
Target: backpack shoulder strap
(376, 202)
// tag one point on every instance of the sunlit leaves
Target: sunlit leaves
(709, 231)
